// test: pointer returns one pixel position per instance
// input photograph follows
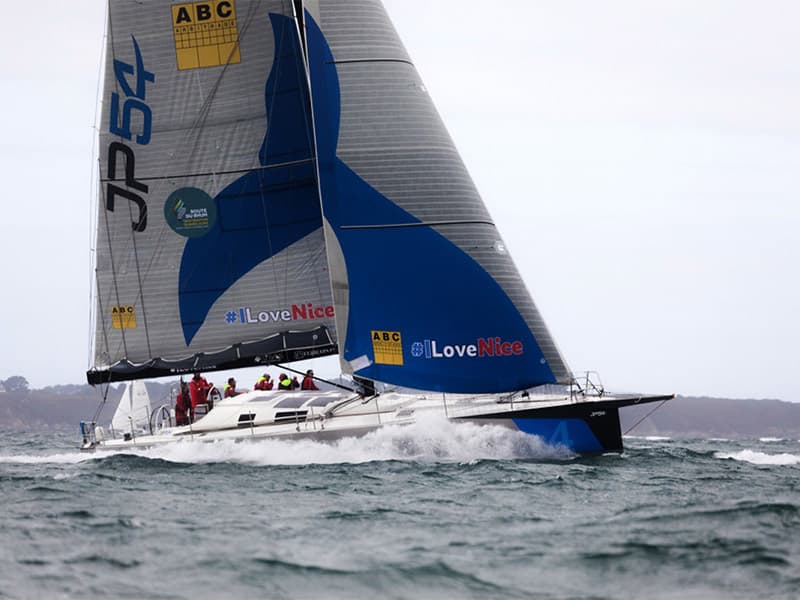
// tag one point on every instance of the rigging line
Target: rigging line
(264, 212)
(205, 110)
(313, 251)
(311, 124)
(102, 318)
(290, 163)
(369, 60)
(114, 276)
(205, 107)
(315, 258)
(301, 69)
(299, 18)
(102, 404)
(278, 65)
(420, 224)
(635, 425)
(139, 280)
(289, 29)
(94, 163)
(93, 287)
(202, 116)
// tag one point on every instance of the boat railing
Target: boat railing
(331, 411)
(89, 435)
(464, 405)
(161, 418)
(587, 385)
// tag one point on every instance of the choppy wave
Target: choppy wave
(771, 440)
(63, 458)
(434, 510)
(760, 458)
(428, 440)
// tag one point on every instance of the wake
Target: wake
(434, 440)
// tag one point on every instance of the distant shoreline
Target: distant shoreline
(61, 408)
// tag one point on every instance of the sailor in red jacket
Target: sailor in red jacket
(230, 388)
(183, 405)
(198, 390)
(308, 381)
(264, 383)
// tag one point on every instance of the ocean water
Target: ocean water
(437, 510)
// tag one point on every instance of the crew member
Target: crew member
(264, 382)
(308, 381)
(230, 388)
(198, 391)
(284, 383)
(183, 405)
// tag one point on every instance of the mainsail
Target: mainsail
(425, 292)
(210, 252)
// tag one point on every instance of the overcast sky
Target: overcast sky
(642, 161)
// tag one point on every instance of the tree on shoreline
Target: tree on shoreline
(15, 383)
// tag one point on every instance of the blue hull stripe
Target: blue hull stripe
(570, 433)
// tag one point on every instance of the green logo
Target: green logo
(190, 212)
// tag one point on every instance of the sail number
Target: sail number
(129, 115)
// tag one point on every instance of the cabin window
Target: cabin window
(291, 416)
(246, 420)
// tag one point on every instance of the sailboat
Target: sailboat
(276, 185)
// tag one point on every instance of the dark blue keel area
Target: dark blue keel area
(585, 428)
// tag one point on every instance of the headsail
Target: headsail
(133, 410)
(426, 295)
(210, 251)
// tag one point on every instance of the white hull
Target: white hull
(328, 415)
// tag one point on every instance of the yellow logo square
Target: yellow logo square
(123, 317)
(206, 34)
(387, 347)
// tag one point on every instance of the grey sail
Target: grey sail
(210, 251)
(417, 264)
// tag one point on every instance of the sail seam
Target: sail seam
(369, 60)
(421, 224)
(211, 173)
